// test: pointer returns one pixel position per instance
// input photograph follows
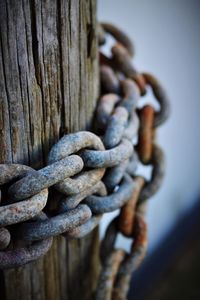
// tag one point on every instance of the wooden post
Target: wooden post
(48, 87)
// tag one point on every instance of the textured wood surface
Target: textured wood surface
(48, 87)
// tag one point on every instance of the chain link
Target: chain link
(93, 173)
(117, 265)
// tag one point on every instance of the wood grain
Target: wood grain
(48, 87)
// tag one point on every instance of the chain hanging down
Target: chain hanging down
(93, 173)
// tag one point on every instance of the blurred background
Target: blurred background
(166, 35)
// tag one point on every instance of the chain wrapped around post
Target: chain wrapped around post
(92, 173)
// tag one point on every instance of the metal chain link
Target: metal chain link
(122, 86)
(93, 173)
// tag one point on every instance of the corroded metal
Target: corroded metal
(140, 81)
(118, 265)
(133, 164)
(121, 60)
(109, 239)
(109, 81)
(127, 213)
(72, 201)
(20, 255)
(120, 36)
(161, 97)
(23, 255)
(80, 182)
(72, 143)
(84, 229)
(114, 201)
(108, 274)
(132, 261)
(46, 177)
(105, 108)
(158, 163)
(116, 273)
(131, 94)
(145, 136)
(114, 175)
(10, 172)
(33, 231)
(115, 127)
(132, 128)
(23, 210)
(108, 158)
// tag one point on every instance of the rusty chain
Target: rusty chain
(93, 173)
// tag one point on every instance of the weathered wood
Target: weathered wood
(48, 87)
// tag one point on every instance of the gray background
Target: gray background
(167, 40)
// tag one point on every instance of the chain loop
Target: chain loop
(12, 258)
(120, 36)
(84, 229)
(33, 231)
(36, 181)
(113, 201)
(72, 143)
(117, 265)
(127, 213)
(145, 135)
(72, 201)
(161, 96)
(132, 260)
(109, 81)
(108, 158)
(158, 163)
(21, 256)
(23, 210)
